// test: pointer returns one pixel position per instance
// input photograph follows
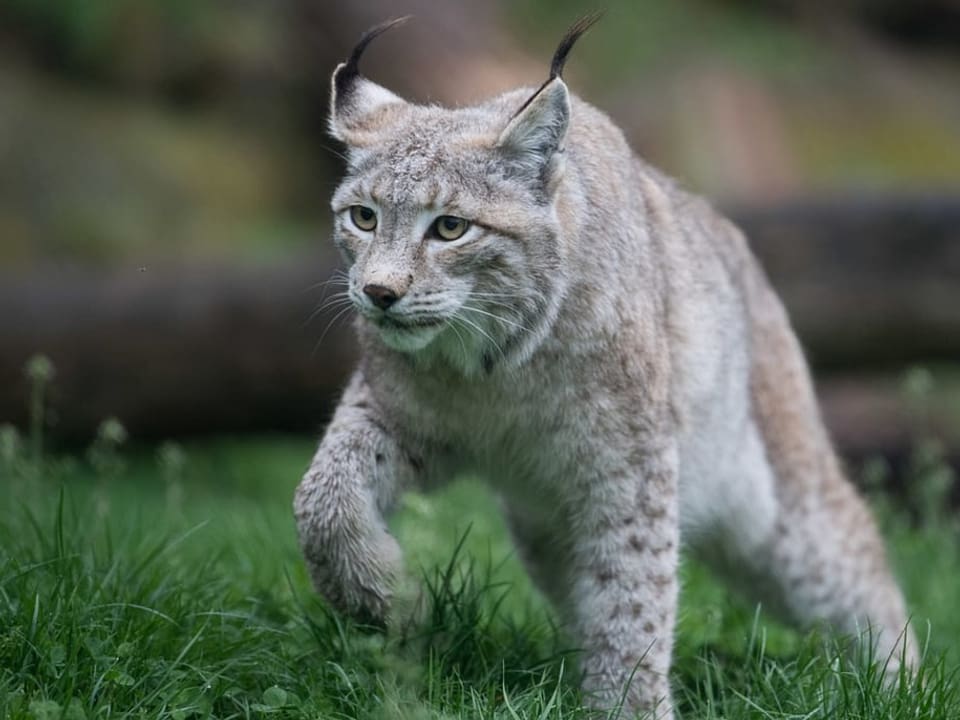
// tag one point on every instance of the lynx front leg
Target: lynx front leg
(339, 506)
(618, 552)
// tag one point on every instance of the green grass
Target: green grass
(169, 585)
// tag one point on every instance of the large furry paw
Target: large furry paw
(353, 561)
(357, 575)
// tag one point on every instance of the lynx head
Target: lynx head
(447, 217)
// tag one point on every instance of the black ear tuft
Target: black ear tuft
(350, 71)
(573, 34)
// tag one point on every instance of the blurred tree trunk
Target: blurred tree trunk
(177, 351)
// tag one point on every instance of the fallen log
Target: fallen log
(176, 352)
(869, 281)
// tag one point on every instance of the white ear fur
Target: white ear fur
(536, 133)
(353, 99)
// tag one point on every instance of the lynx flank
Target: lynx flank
(539, 307)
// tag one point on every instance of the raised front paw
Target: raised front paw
(357, 575)
(353, 562)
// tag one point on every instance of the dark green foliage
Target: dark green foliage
(90, 39)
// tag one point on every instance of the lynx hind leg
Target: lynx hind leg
(819, 560)
(827, 563)
(825, 558)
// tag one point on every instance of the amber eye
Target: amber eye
(449, 227)
(363, 217)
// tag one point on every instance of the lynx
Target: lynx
(539, 307)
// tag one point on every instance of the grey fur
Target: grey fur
(605, 350)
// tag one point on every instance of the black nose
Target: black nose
(383, 297)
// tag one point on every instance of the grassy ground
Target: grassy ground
(169, 585)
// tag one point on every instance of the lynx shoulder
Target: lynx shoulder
(539, 307)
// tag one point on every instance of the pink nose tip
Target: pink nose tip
(383, 297)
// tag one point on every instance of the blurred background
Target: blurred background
(165, 178)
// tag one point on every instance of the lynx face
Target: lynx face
(447, 220)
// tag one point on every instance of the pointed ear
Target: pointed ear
(534, 136)
(355, 101)
(537, 131)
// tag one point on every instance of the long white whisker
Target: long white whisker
(474, 293)
(330, 325)
(497, 300)
(498, 318)
(483, 332)
(338, 276)
(334, 302)
(463, 346)
(499, 303)
(335, 152)
(334, 299)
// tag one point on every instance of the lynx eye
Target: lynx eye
(449, 227)
(363, 217)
